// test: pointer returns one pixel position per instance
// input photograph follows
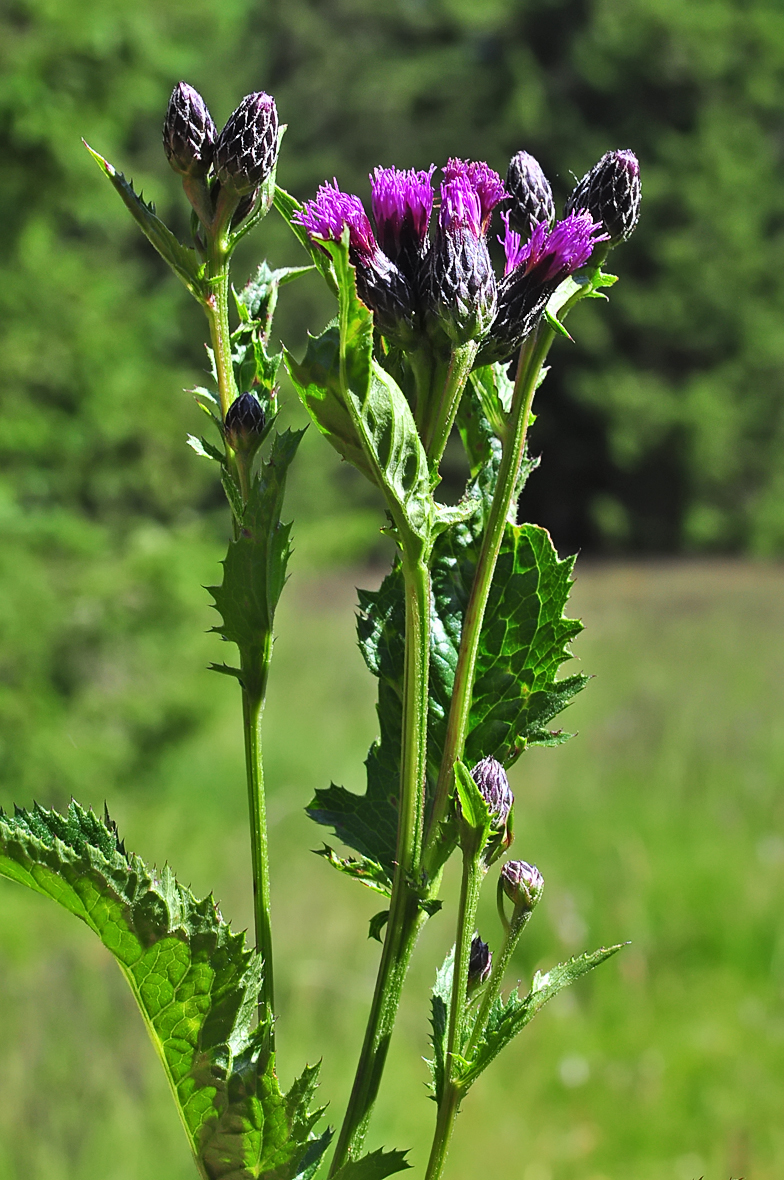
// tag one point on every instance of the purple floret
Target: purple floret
(401, 200)
(481, 178)
(330, 212)
(461, 207)
(556, 252)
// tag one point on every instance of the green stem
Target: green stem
(532, 357)
(500, 963)
(253, 693)
(435, 435)
(405, 915)
(217, 309)
(445, 1125)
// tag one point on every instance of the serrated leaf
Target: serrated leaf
(196, 983)
(507, 1019)
(181, 259)
(254, 570)
(375, 1166)
(369, 872)
(525, 638)
(205, 449)
(440, 1001)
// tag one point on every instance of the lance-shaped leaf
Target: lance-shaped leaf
(383, 425)
(375, 1166)
(507, 1019)
(181, 259)
(196, 983)
(440, 1002)
(254, 570)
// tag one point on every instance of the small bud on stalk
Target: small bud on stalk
(530, 199)
(247, 147)
(611, 193)
(480, 964)
(490, 777)
(244, 425)
(522, 884)
(189, 133)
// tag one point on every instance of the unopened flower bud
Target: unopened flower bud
(522, 883)
(480, 963)
(611, 193)
(247, 147)
(530, 199)
(188, 132)
(490, 776)
(244, 425)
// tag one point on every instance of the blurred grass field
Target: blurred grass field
(661, 823)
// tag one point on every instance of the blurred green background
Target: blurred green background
(662, 437)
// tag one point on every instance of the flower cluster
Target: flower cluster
(242, 156)
(446, 289)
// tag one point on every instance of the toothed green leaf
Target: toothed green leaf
(509, 1018)
(369, 872)
(181, 259)
(440, 1001)
(196, 983)
(254, 570)
(375, 1166)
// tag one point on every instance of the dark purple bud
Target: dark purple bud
(380, 283)
(490, 776)
(402, 203)
(522, 883)
(188, 132)
(480, 963)
(482, 180)
(460, 286)
(244, 425)
(611, 193)
(247, 147)
(530, 199)
(533, 270)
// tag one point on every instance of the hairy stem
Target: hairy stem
(217, 309)
(436, 433)
(253, 692)
(500, 963)
(445, 1125)
(405, 915)
(532, 356)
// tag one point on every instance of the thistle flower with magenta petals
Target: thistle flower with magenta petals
(380, 283)
(482, 180)
(247, 147)
(189, 133)
(611, 193)
(533, 270)
(460, 289)
(402, 202)
(530, 199)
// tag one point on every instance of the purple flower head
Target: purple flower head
(553, 253)
(402, 203)
(460, 207)
(380, 283)
(522, 883)
(329, 214)
(482, 180)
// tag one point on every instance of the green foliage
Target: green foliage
(369, 411)
(374, 1166)
(507, 1019)
(182, 259)
(196, 984)
(254, 571)
(439, 1018)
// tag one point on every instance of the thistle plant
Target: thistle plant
(466, 634)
